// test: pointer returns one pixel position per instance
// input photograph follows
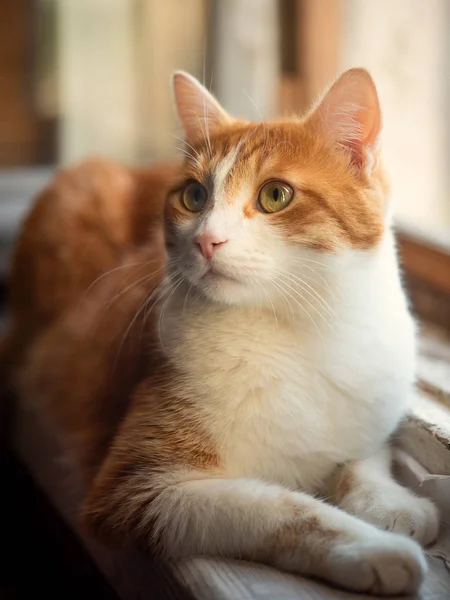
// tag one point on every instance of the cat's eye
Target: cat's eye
(194, 196)
(275, 196)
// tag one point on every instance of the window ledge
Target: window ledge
(425, 434)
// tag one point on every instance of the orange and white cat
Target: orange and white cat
(276, 356)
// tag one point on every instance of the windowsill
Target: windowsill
(426, 433)
(425, 258)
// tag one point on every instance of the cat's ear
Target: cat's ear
(198, 110)
(349, 115)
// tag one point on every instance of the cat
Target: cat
(231, 388)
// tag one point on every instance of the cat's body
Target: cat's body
(255, 378)
(82, 225)
(270, 357)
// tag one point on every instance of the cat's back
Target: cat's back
(80, 372)
(85, 259)
(80, 226)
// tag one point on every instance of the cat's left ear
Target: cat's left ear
(199, 112)
(349, 115)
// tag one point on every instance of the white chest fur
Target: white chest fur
(288, 401)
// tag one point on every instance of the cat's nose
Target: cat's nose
(208, 243)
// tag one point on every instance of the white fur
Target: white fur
(244, 517)
(288, 396)
(378, 499)
(296, 362)
(222, 171)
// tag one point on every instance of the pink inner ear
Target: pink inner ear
(198, 111)
(350, 116)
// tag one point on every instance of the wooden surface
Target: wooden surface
(426, 432)
(216, 579)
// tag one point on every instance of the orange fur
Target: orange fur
(85, 338)
(336, 208)
(100, 217)
(81, 226)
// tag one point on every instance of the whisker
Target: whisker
(322, 281)
(207, 137)
(195, 158)
(309, 260)
(103, 275)
(254, 104)
(189, 158)
(263, 122)
(270, 302)
(186, 143)
(281, 291)
(161, 314)
(135, 284)
(296, 291)
(303, 307)
(130, 326)
(142, 307)
(191, 285)
(166, 282)
(311, 291)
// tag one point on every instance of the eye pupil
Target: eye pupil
(275, 196)
(194, 197)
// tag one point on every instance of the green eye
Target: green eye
(195, 196)
(275, 196)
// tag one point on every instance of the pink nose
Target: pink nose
(207, 243)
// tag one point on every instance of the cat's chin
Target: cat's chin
(224, 289)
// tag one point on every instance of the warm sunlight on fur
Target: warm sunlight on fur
(220, 343)
(339, 202)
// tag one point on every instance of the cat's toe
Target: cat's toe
(386, 565)
(399, 511)
(419, 520)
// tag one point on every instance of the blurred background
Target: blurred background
(82, 77)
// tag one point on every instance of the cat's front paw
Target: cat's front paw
(397, 510)
(383, 565)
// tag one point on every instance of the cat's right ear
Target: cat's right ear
(199, 112)
(349, 115)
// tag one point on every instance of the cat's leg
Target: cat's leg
(367, 490)
(194, 512)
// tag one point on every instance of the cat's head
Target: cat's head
(258, 203)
